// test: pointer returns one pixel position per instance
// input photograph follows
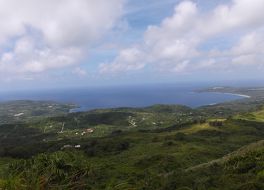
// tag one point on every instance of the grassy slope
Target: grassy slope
(252, 116)
(242, 169)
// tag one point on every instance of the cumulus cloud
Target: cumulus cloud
(177, 44)
(248, 51)
(27, 57)
(132, 58)
(251, 43)
(36, 36)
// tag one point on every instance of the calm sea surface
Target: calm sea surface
(131, 96)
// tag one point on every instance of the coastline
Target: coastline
(189, 97)
(241, 95)
(83, 109)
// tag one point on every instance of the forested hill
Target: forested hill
(27, 110)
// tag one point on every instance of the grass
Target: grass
(199, 127)
(252, 116)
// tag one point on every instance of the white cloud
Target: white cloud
(131, 57)
(251, 43)
(180, 67)
(27, 57)
(42, 35)
(248, 51)
(62, 22)
(240, 14)
(79, 71)
(176, 44)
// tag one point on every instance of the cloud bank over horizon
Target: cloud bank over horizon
(101, 40)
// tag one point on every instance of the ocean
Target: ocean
(124, 96)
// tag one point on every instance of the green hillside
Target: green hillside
(26, 110)
(164, 147)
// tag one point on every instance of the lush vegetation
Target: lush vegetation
(25, 110)
(159, 147)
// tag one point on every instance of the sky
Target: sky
(71, 43)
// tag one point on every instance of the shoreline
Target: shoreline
(82, 109)
(241, 95)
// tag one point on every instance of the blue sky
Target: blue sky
(65, 43)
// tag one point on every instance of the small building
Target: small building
(66, 146)
(19, 114)
(89, 130)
